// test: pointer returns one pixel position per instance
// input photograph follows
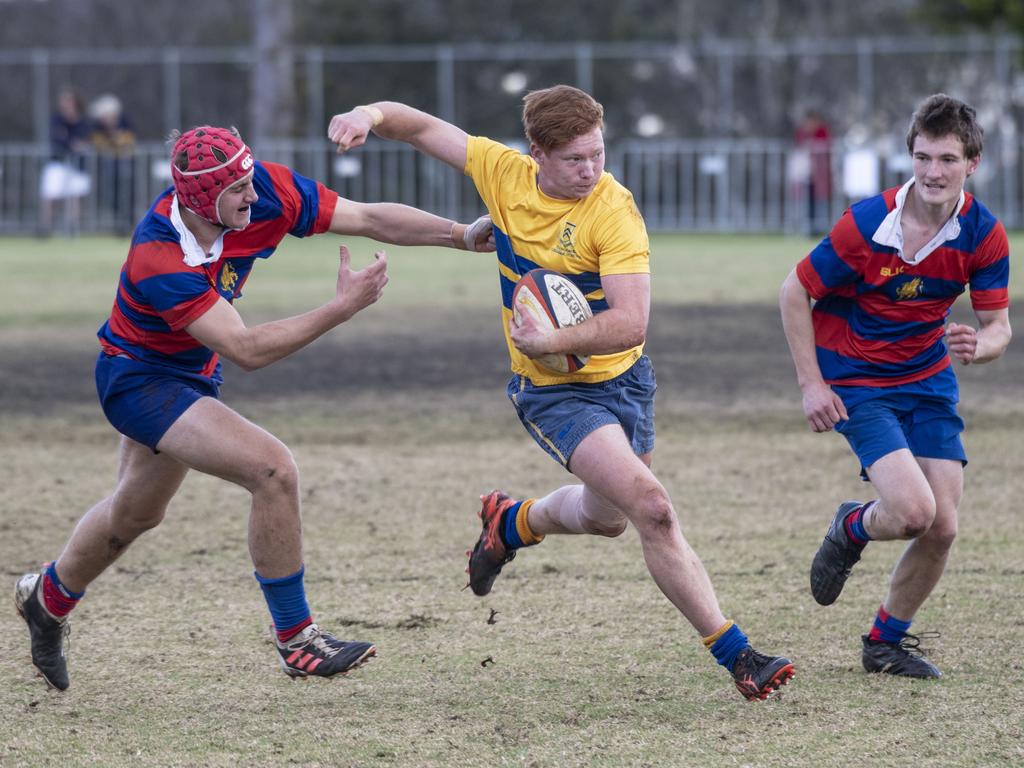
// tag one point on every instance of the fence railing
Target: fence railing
(730, 87)
(679, 185)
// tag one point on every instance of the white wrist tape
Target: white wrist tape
(373, 112)
(478, 230)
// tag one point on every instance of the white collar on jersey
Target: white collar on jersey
(890, 231)
(195, 256)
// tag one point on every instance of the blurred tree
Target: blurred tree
(999, 16)
(991, 15)
(727, 75)
(119, 24)
(326, 22)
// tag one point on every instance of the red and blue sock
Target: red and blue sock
(887, 628)
(286, 599)
(58, 600)
(855, 525)
(725, 644)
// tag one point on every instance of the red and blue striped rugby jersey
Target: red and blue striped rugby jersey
(879, 321)
(159, 294)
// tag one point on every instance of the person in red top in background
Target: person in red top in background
(158, 378)
(813, 137)
(873, 360)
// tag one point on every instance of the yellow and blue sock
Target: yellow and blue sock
(515, 527)
(725, 644)
(887, 628)
(286, 599)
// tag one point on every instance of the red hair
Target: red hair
(555, 116)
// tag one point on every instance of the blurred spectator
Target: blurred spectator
(114, 141)
(63, 180)
(860, 169)
(813, 137)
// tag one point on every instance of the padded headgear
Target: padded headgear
(206, 161)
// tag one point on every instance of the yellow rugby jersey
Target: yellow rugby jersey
(602, 234)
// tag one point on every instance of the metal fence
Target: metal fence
(730, 88)
(679, 185)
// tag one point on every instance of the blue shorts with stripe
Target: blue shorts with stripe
(142, 401)
(559, 416)
(929, 427)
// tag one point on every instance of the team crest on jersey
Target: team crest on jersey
(565, 245)
(228, 277)
(910, 289)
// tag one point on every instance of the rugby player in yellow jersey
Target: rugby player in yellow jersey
(557, 209)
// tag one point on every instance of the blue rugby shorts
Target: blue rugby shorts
(142, 401)
(559, 416)
(928, 427)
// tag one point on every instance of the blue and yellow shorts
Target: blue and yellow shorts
(559, 416)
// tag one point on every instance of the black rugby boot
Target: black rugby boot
(47, 633)
(904, 659)
(835, 557)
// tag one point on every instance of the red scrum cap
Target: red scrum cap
(206, 161)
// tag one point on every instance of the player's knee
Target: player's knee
(916, 516)
(655, 513)
(277, 474)
(601, 518)
(942, 534)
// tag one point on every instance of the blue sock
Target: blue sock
(509, 532)
(728, 646)
(888, 629)
(286, 599)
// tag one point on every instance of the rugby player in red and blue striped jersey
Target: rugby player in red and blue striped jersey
(158, 377)
(873, 359)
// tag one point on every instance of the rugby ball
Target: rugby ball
(553, 301)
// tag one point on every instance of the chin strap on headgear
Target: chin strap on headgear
(206, 161)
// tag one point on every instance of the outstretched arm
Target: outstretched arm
(400, 224)
(398, 122)
(404, 225)
(822, 407)
(222, 329)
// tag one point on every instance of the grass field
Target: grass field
(398, 421)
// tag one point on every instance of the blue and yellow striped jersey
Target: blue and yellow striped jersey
(602, 234)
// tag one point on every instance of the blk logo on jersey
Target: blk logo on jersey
(910, 289)
(565, 245)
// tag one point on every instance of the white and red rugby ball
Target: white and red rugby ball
(553, 301)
